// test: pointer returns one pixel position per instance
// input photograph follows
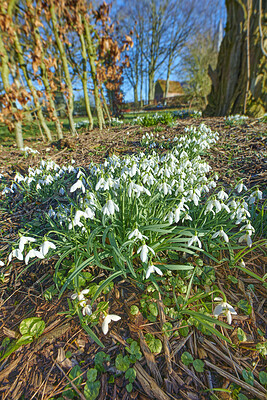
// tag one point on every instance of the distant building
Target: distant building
(175, 90)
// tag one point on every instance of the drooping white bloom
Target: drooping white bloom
(240, 187)
(107, 320)
(194, 239)
(1, 263)
(224, 308)
(100, 183)
(87, 309)
(80, 295)
(221, 233)
(152, 269)
(248, 227)
(24, 240)
(144, 249)
(222, 195)
(109, 208)
(44, 248)
(246, 238)
(136, 234)
(33, 253)
(15, 253)
(78, 185)
(61, 191)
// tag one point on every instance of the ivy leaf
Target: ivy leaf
(153, 309)
(91, 374)
(263, 378)
(91, 390)
(122, 363)
(186, 358)
(167, 329)
(32, 326)
(245, 306)
(262, 348)
(130, 374)
(248, 377)
(76, 375)
(100, 359)
(134, 310)
(129, 387)
(134, 350)
(241, 335)
(183, 328)
(154, 344)
(198, 365)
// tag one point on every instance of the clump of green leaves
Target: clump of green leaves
(188, 359)
(30, 329)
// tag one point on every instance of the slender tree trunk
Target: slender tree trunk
(45, 80)
(92, 57)
(23, 67)
(5, 80)
(233, 76)
(168, 79)
(151, 86)
(135, 95)
(84, 82)
(70, 100)
(105, 106)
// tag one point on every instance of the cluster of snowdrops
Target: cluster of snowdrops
(122, 216)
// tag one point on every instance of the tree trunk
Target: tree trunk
(151, 86)
(84, 82)
(39, 112)
(168, 80)
(92, 57)
(5, 80)
(242, 64)
(70, 104)
(105, 106)
(38, 42)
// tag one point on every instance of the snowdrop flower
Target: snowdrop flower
(224, 308)
(44, 249)
(144, 249)
(15, 253)
(61, 192)
(78, 185)
(33, 253)
(7, 190)
(249, 228)
(221, 233)
(152, 269)
(80, 295)
(24, 240)
(1, 263)
(107, 320)
(246, 238)
(170, 217)
(187, 217)
(194, 239)
(222, 195)
(240, 187)
(136, 234)
(87, 309)
(100, 183)
(109, 208)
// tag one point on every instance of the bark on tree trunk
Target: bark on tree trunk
(84, 82)
(70, 104)
(91, 56)
(45, 80)
(5, 80)
(232, 76)
(151, 87)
